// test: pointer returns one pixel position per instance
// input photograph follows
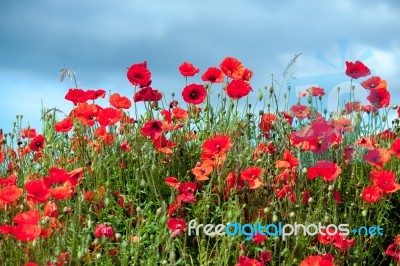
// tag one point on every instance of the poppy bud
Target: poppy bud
(260, 96)
(271, 89)
(292, 214)
(338, 88)
(364, 213)
(394, 106)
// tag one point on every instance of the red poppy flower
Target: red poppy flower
(386, 135)
(152, 129)
(237, 89)
(162, 144)
(265, 256)
(371, 194)
(263, 148)
(366, 142)
(316, 91)
(289, 160)
(139, 75)
(176, 225)
(37, 143)
(395, 148)
(109, 116)
(369, 108)
(343, 243)
(95, 94)
(353, 107)
(317, 137)
(329, 171)
(37, 190)
(147, 94)
(10, 194)
(64, 125)
(356, 70)
(56, 176)
(247, 75)
(118, 101)
(232, 67)
(28, 133)
(398, 112)
(377, 157)
(301, 111)
(172, 181)
(50, 209)
(385, 180)
(26, 232)
(213, 75)
(9, 181)
(393, 250)
(187, 188)
(327, 236)
(337, 196)
(252, 175)
(104, 230)
(188, 70)
(318, 260)
(76, 96)
(379, 97)
(29, 217)
(259, 238)
(246, 261)
(234, 182)
(374, 82)
(194, 93)
(218, 145)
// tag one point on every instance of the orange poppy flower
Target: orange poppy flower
(202, 171)
(62, 192)
(232, 67)
(109, 116)
(118, 101)
(10, 194)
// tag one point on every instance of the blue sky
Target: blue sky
(100, 39)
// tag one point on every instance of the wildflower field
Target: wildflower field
(110, 185)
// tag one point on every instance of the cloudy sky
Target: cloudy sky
(100, 39)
